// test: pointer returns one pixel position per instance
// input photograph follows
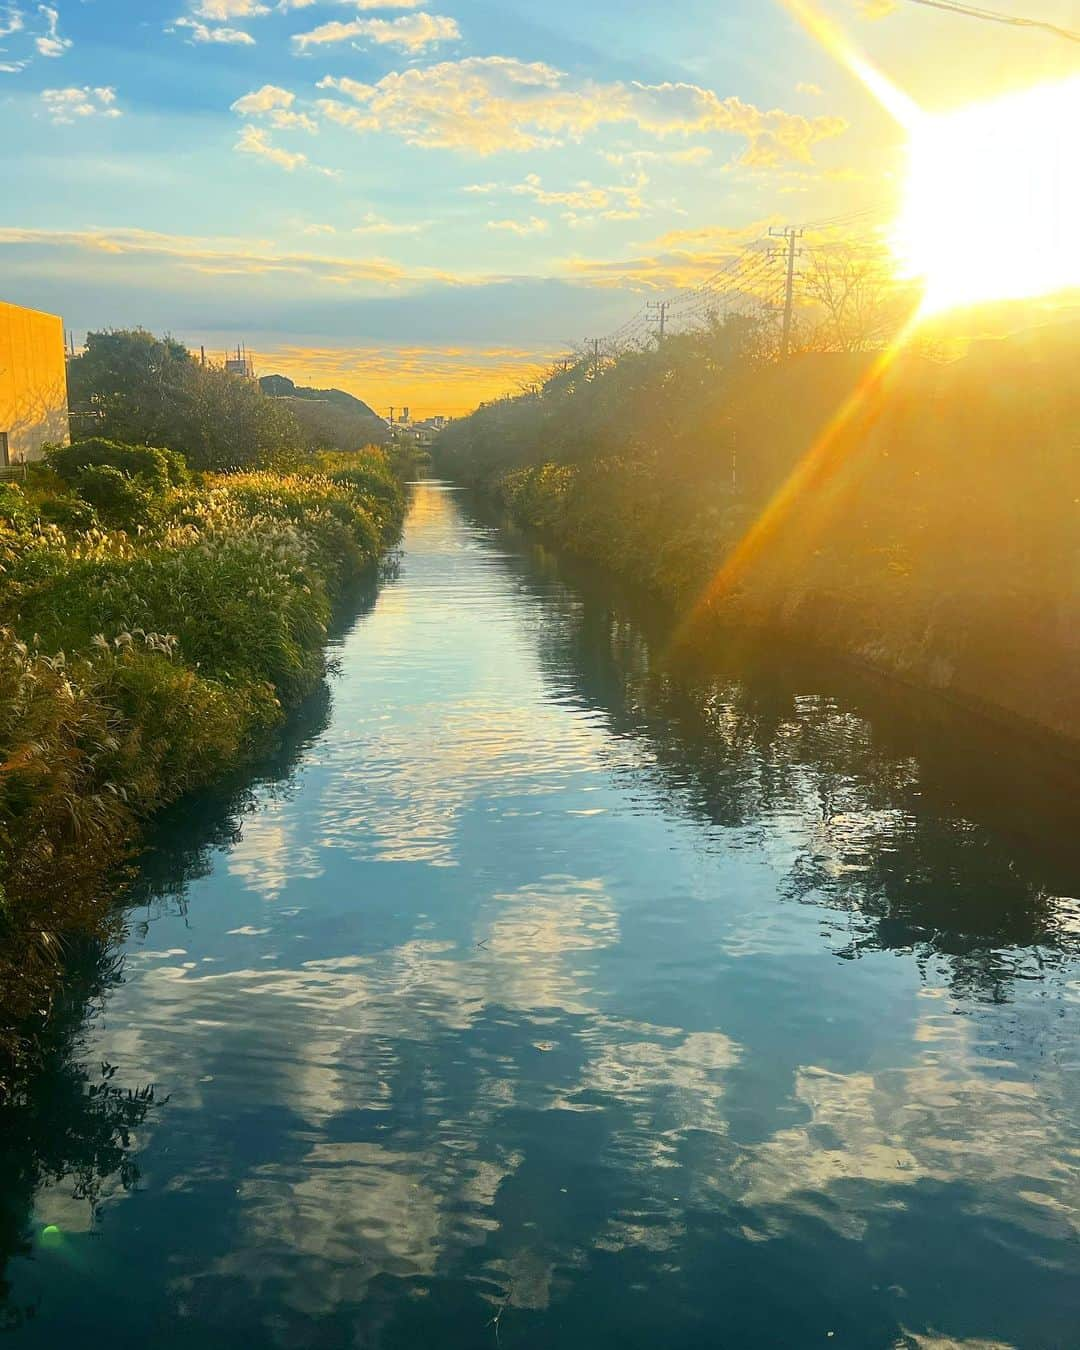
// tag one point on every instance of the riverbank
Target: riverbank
(923, 526)
(520, 910)
(138, 664)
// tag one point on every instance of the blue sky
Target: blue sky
(419, 201)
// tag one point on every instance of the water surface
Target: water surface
(541, 992)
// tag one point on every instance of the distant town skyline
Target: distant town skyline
(423, 202)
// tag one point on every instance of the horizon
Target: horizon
(424, 203)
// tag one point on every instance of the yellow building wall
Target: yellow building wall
(33, 381)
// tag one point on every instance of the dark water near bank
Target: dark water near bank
(542, 994)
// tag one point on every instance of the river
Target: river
(541, 992)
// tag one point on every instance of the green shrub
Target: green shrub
(15, 509)
(159, 469)
(369, 476)
(72, 514)
(121, 501)
(188, 729)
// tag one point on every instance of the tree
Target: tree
(128, 386)
(230, 422)
(133, 387)
(856, 304)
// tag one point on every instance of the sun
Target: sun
(993, 198)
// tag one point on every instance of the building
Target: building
(33, 383)
(427, 432)
(240, 364)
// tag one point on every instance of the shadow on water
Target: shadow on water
(932, 830)
(75, 1120)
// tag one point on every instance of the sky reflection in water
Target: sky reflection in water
(551, 996)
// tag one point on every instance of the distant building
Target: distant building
(427, 431)
(33, 383)
(240, 363)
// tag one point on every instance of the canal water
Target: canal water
(542, 991)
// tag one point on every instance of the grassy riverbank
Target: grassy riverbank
(152, 630)
(930, 531)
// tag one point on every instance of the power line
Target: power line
(723, 287)
(640, 320)
(791, 235)
(847, 219)
(660, 309)
(994, 16)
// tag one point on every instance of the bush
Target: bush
(14, 507)
(369, 475)
(159, 469)
(72, 514)
(121, 501)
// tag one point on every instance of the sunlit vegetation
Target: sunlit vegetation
(917, 515)
(152, 627)
(132, 387)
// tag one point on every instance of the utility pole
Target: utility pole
(594, 343)
(791, 234)
(660, 308)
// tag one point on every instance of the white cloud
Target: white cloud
(293, 121)
(534, 225)
(276, 106)
(585, 202)
(50, 43)
(373, 224)
(266, 99)
(354, 4)
(11, 20)
(484, 105)
(806, 87)
(222, 10)
(67, 105)
(318, 229)
(412, 32)
(694, 154)
(200, 32)
(256, 141)
(229, 256)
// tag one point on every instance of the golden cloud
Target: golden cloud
(256, 141)
(483, 105)
(695, 154)
(274, 105)
(201, 32)
(221, 10)
(228, 256)
(677, 260)
(584, 202)
(534, 225)
(65, 105)
(412, 32)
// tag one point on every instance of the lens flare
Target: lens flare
(990, 188)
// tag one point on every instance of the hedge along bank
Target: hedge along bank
(151, 628)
